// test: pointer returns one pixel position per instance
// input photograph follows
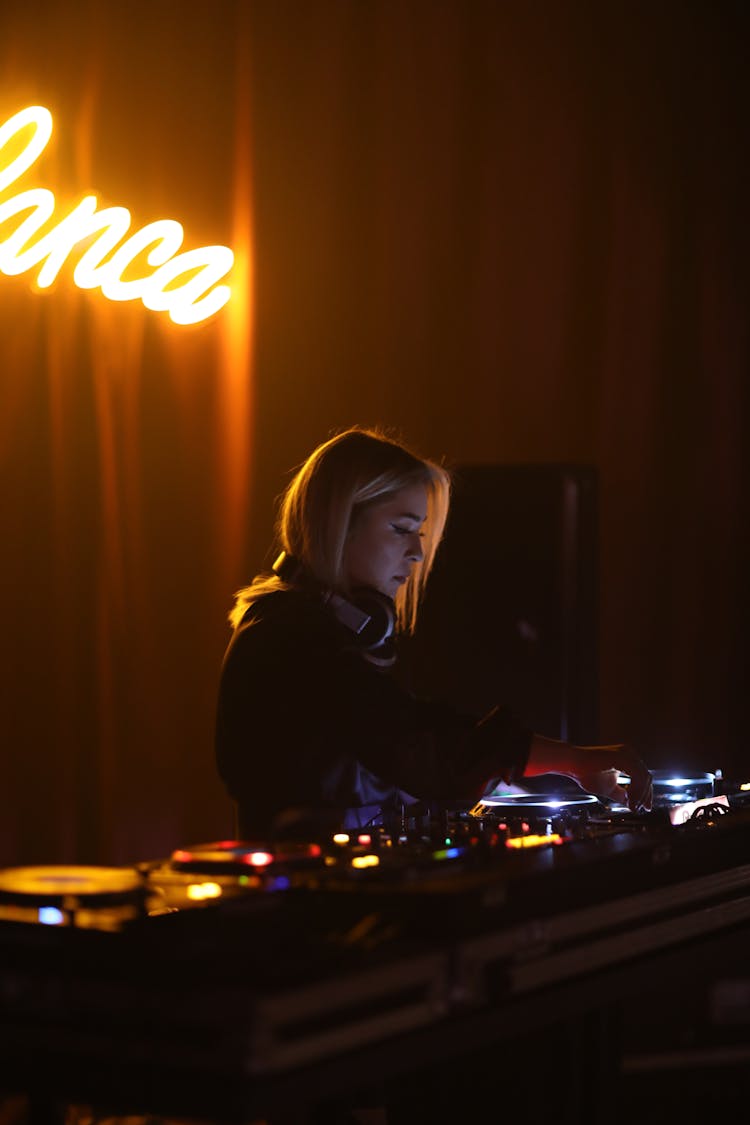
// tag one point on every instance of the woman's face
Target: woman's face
(385, 541)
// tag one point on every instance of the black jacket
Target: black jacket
(307, 725)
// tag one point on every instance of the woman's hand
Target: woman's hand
(596, 769)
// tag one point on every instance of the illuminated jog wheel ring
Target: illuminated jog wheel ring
(541, 803)
(243, 857)
(232, 857)
(101, 884)
(670, 788)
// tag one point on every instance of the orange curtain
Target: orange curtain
(513, 232)
(125, 443)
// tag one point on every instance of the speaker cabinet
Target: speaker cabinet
(510, 614)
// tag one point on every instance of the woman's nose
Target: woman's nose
(414, 549)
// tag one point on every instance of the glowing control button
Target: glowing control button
(51, 916)
(362, 861)
(200, 891)
(258, 859)
(533, 841)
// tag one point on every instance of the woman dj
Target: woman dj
(314, 731)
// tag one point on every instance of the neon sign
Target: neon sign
(183, 284)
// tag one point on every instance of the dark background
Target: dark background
(513, 232)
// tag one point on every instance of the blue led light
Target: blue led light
(51, 916)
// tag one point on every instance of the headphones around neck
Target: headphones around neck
(369, 615)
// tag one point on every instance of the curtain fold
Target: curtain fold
(510, 232)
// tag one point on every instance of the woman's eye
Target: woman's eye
(400, 530)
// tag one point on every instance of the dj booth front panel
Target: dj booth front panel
(585, 973)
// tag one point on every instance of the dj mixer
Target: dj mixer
(198, 982)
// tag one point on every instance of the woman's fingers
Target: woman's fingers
(640, 789)
(613, 760)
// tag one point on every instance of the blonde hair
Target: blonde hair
(339, 479)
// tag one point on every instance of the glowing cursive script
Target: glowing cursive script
(182, 284)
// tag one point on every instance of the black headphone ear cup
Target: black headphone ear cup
(368, 615)
(382, 613)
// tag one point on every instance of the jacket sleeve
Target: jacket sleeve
(430, 750)
(297, 708)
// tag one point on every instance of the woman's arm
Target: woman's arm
(595, 768)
